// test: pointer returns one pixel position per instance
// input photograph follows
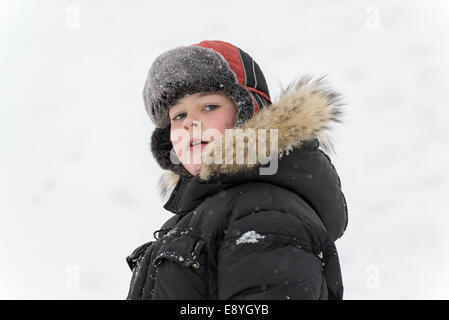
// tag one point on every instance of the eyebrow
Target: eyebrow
(201, 94)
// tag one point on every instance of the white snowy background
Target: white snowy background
(78, 182)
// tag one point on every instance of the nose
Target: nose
(193, 127)
(189, 122)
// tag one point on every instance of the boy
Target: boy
(237, 233)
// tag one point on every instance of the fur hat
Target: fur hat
(209, 66)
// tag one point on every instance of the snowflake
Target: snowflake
(170, 232)
(249, 237)
(286, 151)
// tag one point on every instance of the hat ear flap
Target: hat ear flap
(244, 103)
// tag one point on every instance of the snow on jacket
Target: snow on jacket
(237, 234)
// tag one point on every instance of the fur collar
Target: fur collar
(303, 111)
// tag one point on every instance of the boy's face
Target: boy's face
(193, 115)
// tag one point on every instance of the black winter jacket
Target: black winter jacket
(237, 234)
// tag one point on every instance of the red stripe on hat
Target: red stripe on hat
(255, 105)
(231, 55)
(259, 92)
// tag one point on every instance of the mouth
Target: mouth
(195, 144)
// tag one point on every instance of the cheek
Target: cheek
(221, 120)
(179, 142)
(175, 128)
(173, 138)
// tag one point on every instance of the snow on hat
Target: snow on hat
(208, 66)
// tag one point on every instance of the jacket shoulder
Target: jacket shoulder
(277, 211)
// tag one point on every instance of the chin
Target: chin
(193, 170)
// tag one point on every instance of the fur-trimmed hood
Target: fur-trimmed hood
(305, 110)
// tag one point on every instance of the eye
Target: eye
(211, 105)
(176, 117)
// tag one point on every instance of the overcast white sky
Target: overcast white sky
(78, 182)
